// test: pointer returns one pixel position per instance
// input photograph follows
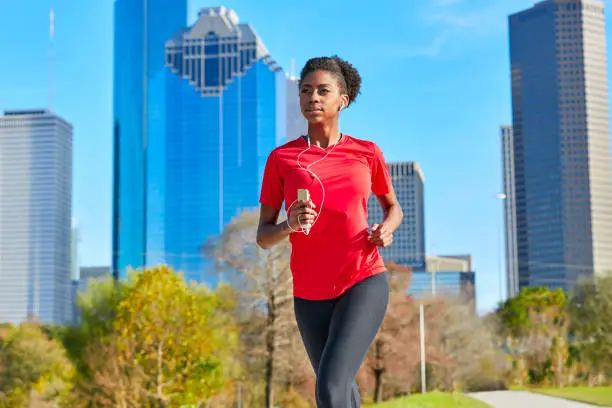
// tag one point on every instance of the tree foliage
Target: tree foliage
(33, 369)
(590, 310)
(535, 328)
(170, 332)
(517, 313)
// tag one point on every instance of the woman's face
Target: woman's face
(321, 97)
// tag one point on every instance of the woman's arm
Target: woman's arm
(382, 234)
(269, 232)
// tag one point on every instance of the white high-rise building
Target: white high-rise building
(296, 123)
(507, 147)
(35, 217)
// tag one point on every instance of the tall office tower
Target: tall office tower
(409, 239)
(296, 123)
(35, 217)
(561, 132)
(509, 205)
(222, 110)
(141, 29)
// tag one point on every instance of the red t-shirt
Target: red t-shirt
(336, 254)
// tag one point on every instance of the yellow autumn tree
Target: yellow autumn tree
(173, 334)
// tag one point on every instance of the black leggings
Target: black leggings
(337, 334)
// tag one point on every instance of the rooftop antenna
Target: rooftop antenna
(51, 35)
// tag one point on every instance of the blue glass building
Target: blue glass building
(215, 108)
(142, 28)
(452, 283)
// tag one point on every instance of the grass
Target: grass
(601, 396)
(433, 400)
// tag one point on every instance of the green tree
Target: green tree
(98, 309)
(590, 309)
(34, 369)
(99, 304)
(535, 327)
(170, 331)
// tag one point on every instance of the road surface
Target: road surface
(524, 399)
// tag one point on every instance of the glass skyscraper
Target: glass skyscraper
(35, 217)
(409, 239)
(142, 28)
(563, 181)
(215, 111)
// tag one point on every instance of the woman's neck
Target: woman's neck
(323, 135)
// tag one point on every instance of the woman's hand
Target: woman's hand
(381, 235)
(301, 215)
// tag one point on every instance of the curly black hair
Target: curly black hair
(348, 77)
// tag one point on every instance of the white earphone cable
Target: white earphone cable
(302, 229)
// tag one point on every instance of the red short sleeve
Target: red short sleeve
(381, 180)
(272, 193)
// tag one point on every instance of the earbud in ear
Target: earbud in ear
(341, 106)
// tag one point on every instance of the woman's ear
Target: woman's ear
(344, 103)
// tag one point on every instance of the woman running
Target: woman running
(340, 286)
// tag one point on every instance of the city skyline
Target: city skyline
(561, 143)
(434, 90)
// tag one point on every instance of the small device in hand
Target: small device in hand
(304, 195)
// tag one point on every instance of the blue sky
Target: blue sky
(435, 90)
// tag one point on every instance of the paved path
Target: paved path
(523, 399)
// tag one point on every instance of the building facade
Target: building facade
(409, 238)
(89, 274)
(35, 217)
(219, 110)
(141, 29)
(450, 275)
(509, 205)
(296, 123)
(561, 142)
